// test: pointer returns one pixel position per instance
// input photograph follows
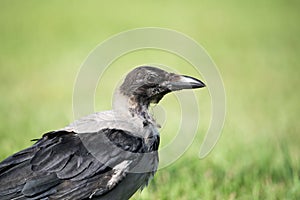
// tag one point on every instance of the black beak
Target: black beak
(180, 82)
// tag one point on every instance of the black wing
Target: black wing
(59, 166)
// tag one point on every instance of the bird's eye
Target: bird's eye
(151, 78)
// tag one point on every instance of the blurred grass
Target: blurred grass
(255, 45)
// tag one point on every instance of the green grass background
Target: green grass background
(255, 44)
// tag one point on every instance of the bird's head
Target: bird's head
(149, 84)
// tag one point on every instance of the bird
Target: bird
(106, 155)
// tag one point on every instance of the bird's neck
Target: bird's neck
(131, 106)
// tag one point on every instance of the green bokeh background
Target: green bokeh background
(255, 44)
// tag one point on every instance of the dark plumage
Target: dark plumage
(105, 155)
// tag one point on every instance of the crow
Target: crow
(106, 155)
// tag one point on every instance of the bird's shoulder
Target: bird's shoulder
(106, 119)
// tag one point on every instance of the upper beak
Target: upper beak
(180, 82)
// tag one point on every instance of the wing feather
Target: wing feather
(60, 166)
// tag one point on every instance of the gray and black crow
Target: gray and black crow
(106, 155)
